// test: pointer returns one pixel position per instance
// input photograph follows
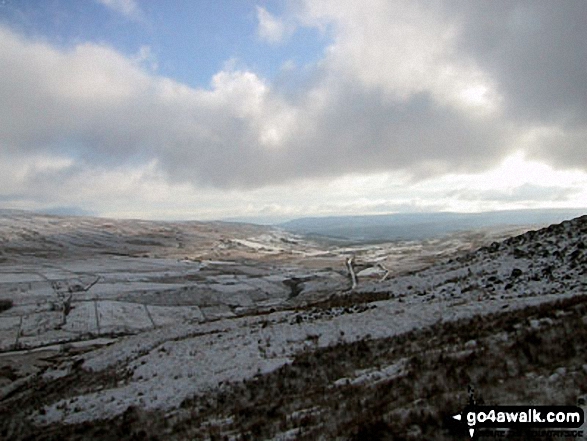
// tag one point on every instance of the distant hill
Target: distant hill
(416, 226)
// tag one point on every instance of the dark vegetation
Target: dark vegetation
(5, 304)
(528, 356)
(351, 299)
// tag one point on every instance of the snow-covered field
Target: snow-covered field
(150, 315)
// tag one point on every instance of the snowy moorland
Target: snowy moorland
(151, 330)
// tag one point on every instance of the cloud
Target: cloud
(533, 50)
(400, 48)
(270, 29)
(524, 193)
(417, 88)
(128, 8)
(521, 62)
(147, 58)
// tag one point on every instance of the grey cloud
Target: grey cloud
(358, 132)
(536, 51)
(376, 133)
(522, 193)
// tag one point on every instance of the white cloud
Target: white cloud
(128, 8)
(402, 48)
(270, 29)
(146, 57)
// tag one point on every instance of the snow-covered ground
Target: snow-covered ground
(178, 325)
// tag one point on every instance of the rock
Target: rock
(414, 432)
(516, 272)
(471, 344)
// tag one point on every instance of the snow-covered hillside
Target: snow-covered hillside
(97, 335)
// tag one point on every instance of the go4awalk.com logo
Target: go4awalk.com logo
(525, 418)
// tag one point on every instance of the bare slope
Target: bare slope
(25, 235)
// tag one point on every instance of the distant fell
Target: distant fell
(418, 226)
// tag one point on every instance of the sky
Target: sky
(273, 110)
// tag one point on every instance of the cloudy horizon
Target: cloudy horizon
(211, 110)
